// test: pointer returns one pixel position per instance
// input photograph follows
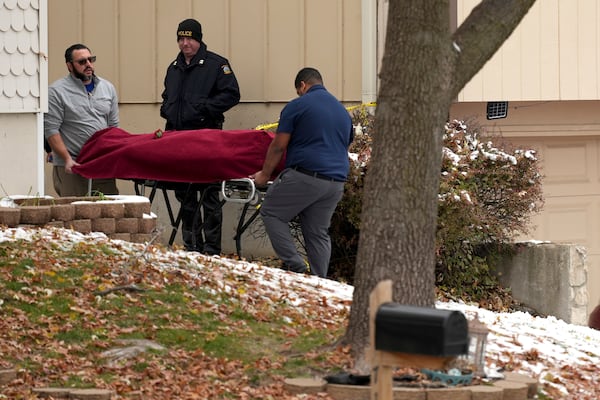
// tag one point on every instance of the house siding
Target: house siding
(23, 89)
(552, 55)
(266, 41)
(20, 78)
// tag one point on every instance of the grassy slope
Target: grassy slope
(227, 332)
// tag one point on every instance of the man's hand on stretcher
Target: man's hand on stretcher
(274, 155)
(260, 178)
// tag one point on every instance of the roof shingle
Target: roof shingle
(19, 56)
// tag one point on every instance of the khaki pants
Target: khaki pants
(67, 184)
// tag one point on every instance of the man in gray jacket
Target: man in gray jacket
(79, 105)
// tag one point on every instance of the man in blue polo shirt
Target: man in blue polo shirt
(314, 134)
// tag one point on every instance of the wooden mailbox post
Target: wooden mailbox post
(409, 336)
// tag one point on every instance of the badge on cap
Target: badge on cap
(226, 69)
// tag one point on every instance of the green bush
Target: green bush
(486, 198)
(345, 223)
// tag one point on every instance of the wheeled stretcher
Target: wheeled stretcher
(242, 191)
(182, 160)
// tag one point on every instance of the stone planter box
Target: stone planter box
(127, 225)
(141, 237)
(62, 212)
(136, 210)
(35, 215)
(85, 210)
(121, 236)
(147, 224)
(106, 225)
(121, 217)
(80, 225)
(56, 224)
(10, 216)
(111, 209)
(514, 387)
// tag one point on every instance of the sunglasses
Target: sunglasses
(84, 61)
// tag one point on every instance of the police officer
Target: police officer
(199, 87)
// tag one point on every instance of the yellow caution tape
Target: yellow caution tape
(352, 108)
(267, 127)
(273, 125)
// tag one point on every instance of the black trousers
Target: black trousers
(201, 226)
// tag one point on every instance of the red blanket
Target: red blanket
(198, 156)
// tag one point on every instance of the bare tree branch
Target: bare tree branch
(483, 32)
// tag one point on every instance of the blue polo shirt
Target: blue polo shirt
(321, 131)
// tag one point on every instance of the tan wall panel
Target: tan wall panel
(248, 48)
(567, 220)
(101, 33)
(587, 28)
(512, 65)
(145, 118)
(352, 50)
(594, 235)
(18, 174)
(250, 115)
(567, 162)
(491, 78)
(168, 16)
(324, 45)
(549, 78)
(552, 55)
(214, 17)
(568, 50)
(474, 89)
(286, 51)
(137, 51)
(267, 42)
(529, 48)
(570, 164)
(64, 29)
(141, 118)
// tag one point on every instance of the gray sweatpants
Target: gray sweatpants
(314, 201)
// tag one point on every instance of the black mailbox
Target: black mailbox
(421, 330)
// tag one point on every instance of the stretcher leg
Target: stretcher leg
(198, 212)
(242, 226)
(140, 188)
(176, 221)
(236, 191)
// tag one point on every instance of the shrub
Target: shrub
(345, 223)
(486, 198)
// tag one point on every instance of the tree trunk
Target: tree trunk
(422, 72)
